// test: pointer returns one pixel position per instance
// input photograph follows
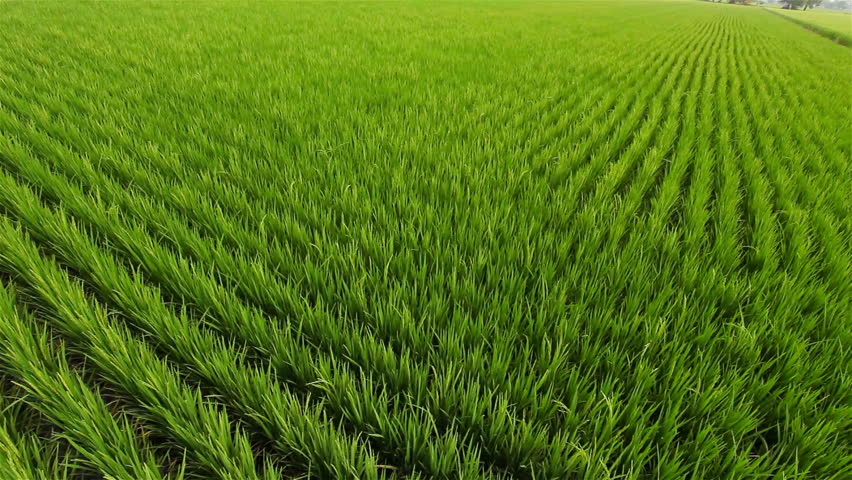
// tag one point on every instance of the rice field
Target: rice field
(833, 24)
(599, 239)
(830, 19)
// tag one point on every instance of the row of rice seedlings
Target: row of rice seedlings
(254, 279)
(587, 243)
(638, 299)
(759, 234)
(810, 195)
(296, 430)
(834, 260)
(823, 140)
(746, 424)
(471, 399)
(25, 453)
(664, 212)
(255, 296)
(795, 235)
(599, 102)
(815, 321)
(768, 283)
(566, 201)
(814, 91)
(772, 339)
(619, 123)
(279, 346)
(795, 242)
(829, 230)
(727, 248)
(536, 146)
(666, 105)
(50, 386)
(146, 381)
(698, 198)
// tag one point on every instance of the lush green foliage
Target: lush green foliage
(590, 240)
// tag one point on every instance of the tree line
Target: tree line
(785, 4)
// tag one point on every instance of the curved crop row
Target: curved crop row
(485, 240)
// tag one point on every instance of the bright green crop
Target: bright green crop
(601, 239)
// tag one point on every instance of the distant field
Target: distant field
(458, 240)
(828, 20)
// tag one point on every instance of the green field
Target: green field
(460, 240)
(832, 23)
(830, 19)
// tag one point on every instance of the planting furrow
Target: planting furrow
(665, 208)
(296, 430)
(24, 454)
(146, 381)
(656, 144)
(619, 122)
(21, 458)
(449, 387)
(109, 444)
(443, 402)
(276, 346)
(759, 227)
(811, 198)
(727, 248)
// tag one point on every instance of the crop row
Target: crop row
(635, 268)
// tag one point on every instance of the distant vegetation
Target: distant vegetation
(800, 4)
(423, 240)
(834, 25)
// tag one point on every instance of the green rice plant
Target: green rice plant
(252, 389)
(63, 397)
(271, 341)
(24, 453)
(455, 240)
(203, 429)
